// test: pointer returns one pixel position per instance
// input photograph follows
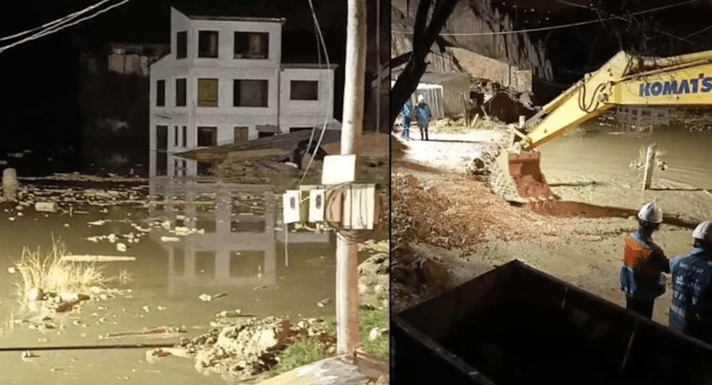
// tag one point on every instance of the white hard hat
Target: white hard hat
(702, 231)
(651, 212)
(421, 98)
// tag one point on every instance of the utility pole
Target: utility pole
(347, 327)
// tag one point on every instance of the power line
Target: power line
(56, 28)
(326, 117)
(57, 21)
(558, 26)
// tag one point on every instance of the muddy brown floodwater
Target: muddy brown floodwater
(188, 239)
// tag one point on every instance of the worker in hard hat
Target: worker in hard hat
(422, 117)
(644, 262)
(691, 307)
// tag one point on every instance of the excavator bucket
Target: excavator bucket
(523, 180)
(526, 173)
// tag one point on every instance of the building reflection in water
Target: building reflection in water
(219, 234)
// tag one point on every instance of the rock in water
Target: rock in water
(34, 294)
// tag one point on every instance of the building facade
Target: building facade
(223, 82)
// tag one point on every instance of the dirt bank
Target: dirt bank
(448, 227)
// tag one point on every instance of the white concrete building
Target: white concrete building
(224, 82)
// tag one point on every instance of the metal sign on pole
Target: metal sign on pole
(347, 329)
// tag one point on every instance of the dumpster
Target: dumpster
(518, 325)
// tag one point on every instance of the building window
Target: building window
(251, 45)
(250, 93)
(175, 136)
(160, 93)
(181, 44)
(203, 168)
(205, 264)
(295, 129)
(246, 263)
(304, 90)
(161, 150)
(207, 136)
(207, 92)
(265, 134)
(180, 93)
(185, 136)
(241, 134)
(207, 43)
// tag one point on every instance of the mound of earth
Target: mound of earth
(457, 212)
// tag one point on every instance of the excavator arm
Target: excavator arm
(624, 80)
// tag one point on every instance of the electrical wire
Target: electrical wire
(356, 236)
(326, 116)
(57, 28)
(557, 26)
(57, 21)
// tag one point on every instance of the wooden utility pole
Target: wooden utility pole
(347, 328)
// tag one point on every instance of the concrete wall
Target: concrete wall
(226, 40)
(482, 67)
(306, 113)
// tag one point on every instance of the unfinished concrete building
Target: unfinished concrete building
(224, 82)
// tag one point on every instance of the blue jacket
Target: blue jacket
(407, 109)
(422, 113)
(643, 263)
(691, 307)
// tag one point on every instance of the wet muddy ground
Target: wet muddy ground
(578, 239)
(189, 245)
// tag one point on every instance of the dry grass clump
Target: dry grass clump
(52, 274)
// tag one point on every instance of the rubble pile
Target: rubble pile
(254, 172)
(251, 346)
(374, 279)
(487, 169)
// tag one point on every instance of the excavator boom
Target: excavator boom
(625, 80)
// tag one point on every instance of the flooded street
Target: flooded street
(199, 249)
(601, 151)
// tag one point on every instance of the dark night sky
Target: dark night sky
(578, 50)
(41, 79)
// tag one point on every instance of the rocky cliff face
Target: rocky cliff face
(474, 16)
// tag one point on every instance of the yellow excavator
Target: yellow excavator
(625, 80)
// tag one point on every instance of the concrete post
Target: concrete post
(9, 184)
(347, 328)
(649, 167)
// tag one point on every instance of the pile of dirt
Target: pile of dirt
(458, 212)
(250, 347)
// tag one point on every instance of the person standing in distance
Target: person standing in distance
(406, 113)
(422, 117)
(644, 262)
(691, 306)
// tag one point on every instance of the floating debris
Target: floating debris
(208, 297)
(26, 355)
